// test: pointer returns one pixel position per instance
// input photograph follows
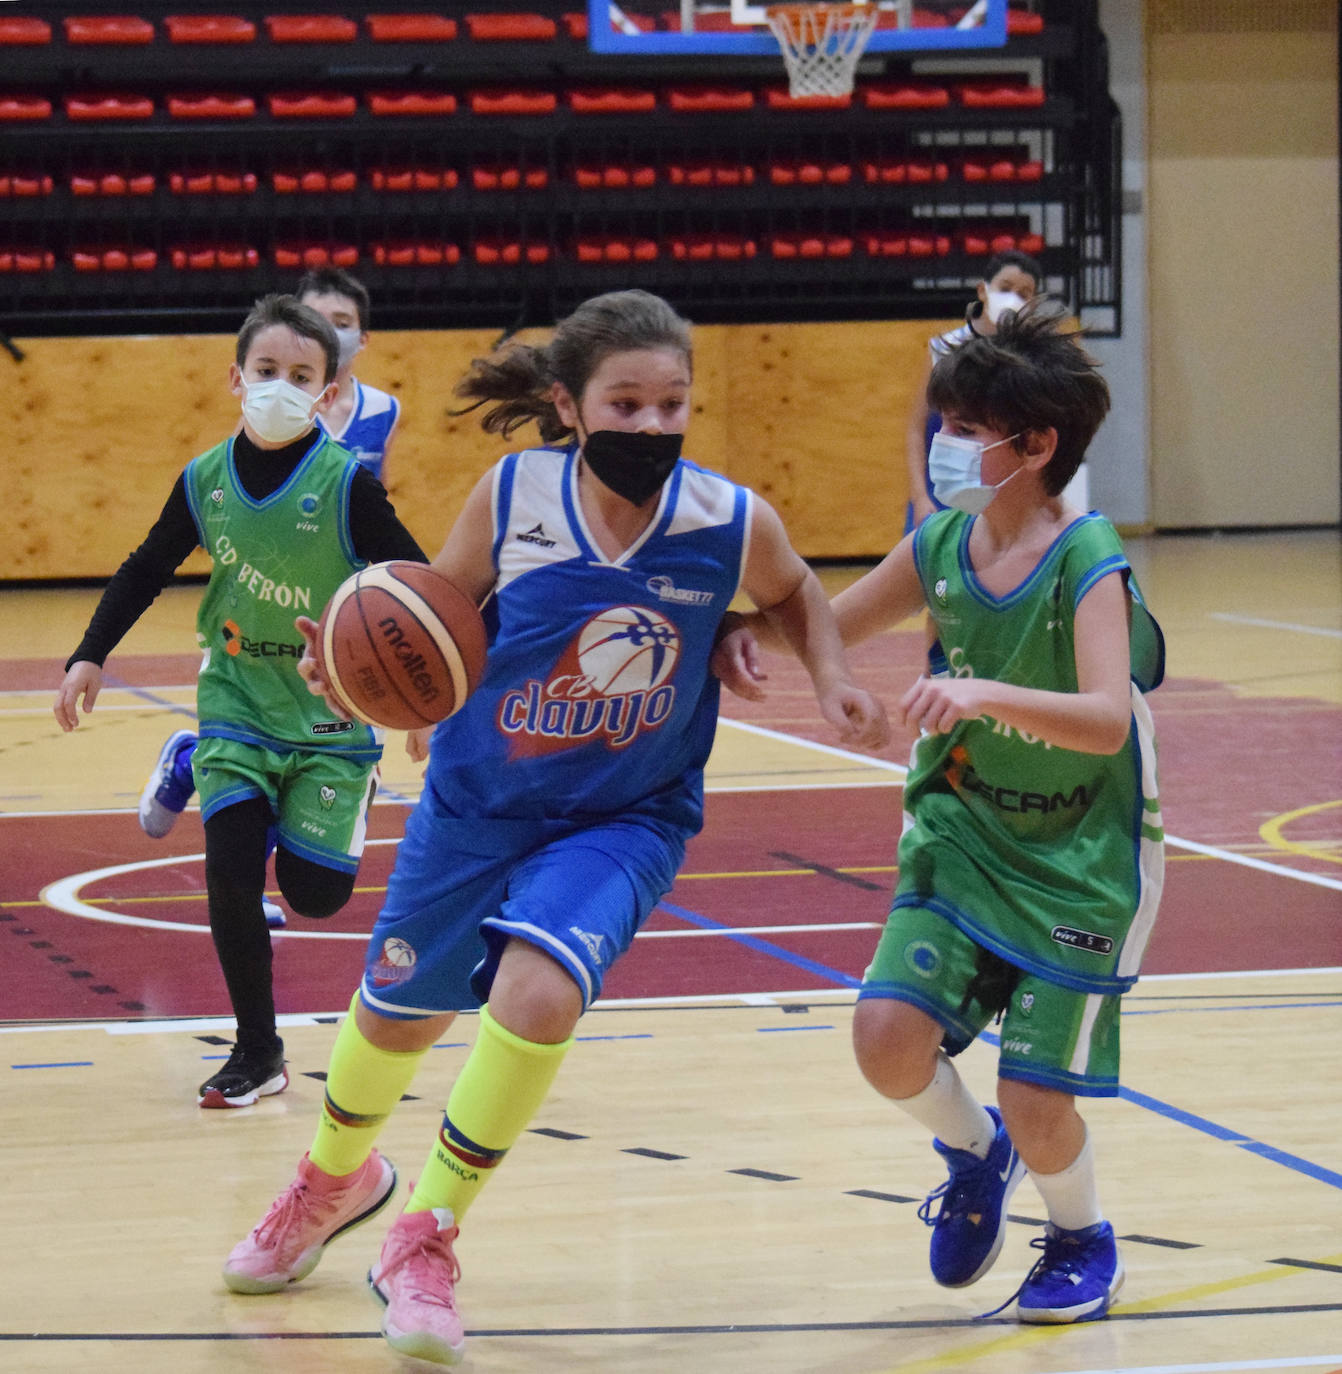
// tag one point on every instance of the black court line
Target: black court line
(1309, 1264)
(714, 1329)
(61, 960)
(825, 871)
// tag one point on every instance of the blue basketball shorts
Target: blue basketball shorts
(461, 889)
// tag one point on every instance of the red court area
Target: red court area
(784, 890)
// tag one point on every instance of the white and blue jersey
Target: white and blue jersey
(558, 800)
(368, 428)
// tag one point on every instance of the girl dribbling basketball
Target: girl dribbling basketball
(558, 801)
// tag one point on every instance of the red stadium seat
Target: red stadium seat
(701, 247)
(495, 28)
(411, 28)
(23, 32)
(412, 103)
(903, 95)
(24, 184)
(510, 101)
(212, 106)
(111, 184)
(209, 28)
(212, 183)
(311, 28)
(416, 254)
(617, 249)
(299, 255)
(487, 177)
(710, 99)
(508, 253)
(24, 107)
(214, 257)
(100, 107)
(108, 28)
(311, 104)
(710, 174)
(611, 100)
(27, 260)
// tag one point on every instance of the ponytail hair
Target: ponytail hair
(519, 378)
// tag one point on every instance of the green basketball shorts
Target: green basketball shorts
(320, 800)
(1050, 1035)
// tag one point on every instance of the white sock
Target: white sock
(1071, 1195)
(951, 1112)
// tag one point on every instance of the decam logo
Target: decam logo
(236, 642)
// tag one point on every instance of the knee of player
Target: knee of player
(318, 900)
(895, 1051)
(1033, 1113)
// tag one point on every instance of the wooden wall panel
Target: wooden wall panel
(97, 429)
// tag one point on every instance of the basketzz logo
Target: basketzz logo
(395, 962)
(236, 642)
(326, 797)
(611, 684)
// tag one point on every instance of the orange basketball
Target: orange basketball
(401, 646)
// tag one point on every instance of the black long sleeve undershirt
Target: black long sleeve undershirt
(375, 532)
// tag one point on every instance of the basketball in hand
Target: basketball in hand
(400, 646)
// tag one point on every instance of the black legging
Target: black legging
(235, 880)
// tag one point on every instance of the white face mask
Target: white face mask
(955, 465)
(999, 301)
(350, 343)
(277, 410)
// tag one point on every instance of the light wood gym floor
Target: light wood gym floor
(711, 1187)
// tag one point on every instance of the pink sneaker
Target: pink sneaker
(414, 1279)
(311, 1212)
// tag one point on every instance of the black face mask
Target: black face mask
(632, 465)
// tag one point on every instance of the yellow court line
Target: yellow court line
(956, 1359)
(1271, 832)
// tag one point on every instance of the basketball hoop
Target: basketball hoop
(821, 45)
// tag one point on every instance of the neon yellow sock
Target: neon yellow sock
(363, 1084)
(498, 1091)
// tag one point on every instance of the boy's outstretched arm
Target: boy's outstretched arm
(794, 607)
(880, 599)
(1095, 719)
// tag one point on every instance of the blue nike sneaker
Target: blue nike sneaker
(170, 785)
(970, 1225)
(1075, 1279)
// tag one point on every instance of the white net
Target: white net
(821, 45)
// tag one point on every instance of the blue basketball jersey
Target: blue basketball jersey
(597, 700)
(369, 426)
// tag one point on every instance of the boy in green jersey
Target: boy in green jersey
(1031, 859)
(286, 515)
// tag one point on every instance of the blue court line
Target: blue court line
(1202, 1011)
(147, 694)
(844, 980)
(641, 1035)
(64, 1064)
(1218, 1132)
(784, 1030)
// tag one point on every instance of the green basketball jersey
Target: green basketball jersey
(1049, 857)
(274, 560)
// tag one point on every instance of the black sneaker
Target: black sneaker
(250, 1073)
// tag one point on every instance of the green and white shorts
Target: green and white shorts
(320, 799)
(1051, 1035)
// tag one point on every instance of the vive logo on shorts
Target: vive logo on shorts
(1085, 940)
(923, 957)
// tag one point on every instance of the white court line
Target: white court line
(1220, 1367)
(1276, 624)
(716, 999)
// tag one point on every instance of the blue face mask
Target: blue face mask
(955, 465)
